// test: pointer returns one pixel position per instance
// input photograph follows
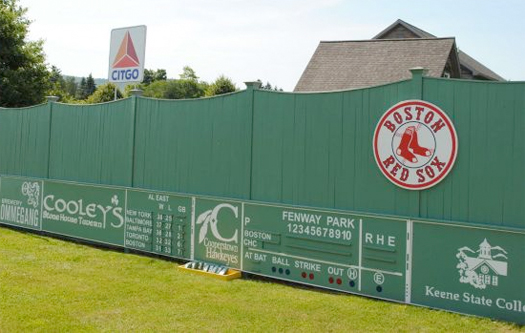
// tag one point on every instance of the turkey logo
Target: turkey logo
(415, 144)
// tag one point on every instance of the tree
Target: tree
(188, 86)
(160, 75)
(156, 89)
(148, 76)
(222, 85)
(55, 77)
(70, 85)
(152, 76)
(174, 89)
(188, 74)
(268, 86)
(58, 85)
(86, 88)
(81, 91)
(105, 93)
(90, 85)
(24, 78)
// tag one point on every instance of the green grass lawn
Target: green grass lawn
(51, 285)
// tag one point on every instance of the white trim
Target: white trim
(242, 237)
(360, 249)
(192, 240)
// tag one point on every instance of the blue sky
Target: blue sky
(270, 40)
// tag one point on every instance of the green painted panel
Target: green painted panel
(331, 249)
(194, 146)
(20, 202)
(469, 270)
(316, 150)
(486, 184)
(92, 143)
(158, 223)
(87, 212)
(217, 232)
(24, 140)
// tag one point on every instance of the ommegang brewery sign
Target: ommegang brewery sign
(415, 144)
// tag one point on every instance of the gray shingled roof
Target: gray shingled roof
(477, 68)
(356, 64)
(419, 32)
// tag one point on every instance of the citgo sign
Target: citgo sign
(126, 55)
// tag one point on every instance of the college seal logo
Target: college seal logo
(415, 144)
(483, 267)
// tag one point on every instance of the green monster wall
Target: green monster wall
(286, 186)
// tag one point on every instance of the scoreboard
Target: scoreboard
(472, 269)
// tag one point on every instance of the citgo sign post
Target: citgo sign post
(459, 267)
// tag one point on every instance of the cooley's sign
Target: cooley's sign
(126, 54)
(415, 144)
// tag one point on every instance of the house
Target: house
(470, 67)
(342, 65)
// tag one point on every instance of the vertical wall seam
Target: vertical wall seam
(250, 88)
(49, 139)
(133, 135)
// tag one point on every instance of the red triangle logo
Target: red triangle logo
(126, 56)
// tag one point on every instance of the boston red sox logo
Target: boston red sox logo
(415, 144)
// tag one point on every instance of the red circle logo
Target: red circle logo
(415, 144)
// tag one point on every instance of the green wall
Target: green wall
(194, 146)
(24, 141)
(487, 184)
(92, 143)
(309, 149)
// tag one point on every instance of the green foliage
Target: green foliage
(80, 93)
(105, 93)
(90, 85)
(268, 86)
(70, 86)
(156, 89)
(188, 86)
(58, 86)
(86, 88)
(152, 76)
(222, 85)
(174, 89)
(188, 74)
(129, 87)
(24, 78)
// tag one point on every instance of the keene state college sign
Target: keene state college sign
(415, 144)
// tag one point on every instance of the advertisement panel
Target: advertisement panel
(87, 212)
(217, 232)
(20, 203)
(469, 270)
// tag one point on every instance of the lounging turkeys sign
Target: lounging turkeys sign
(415, 144)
